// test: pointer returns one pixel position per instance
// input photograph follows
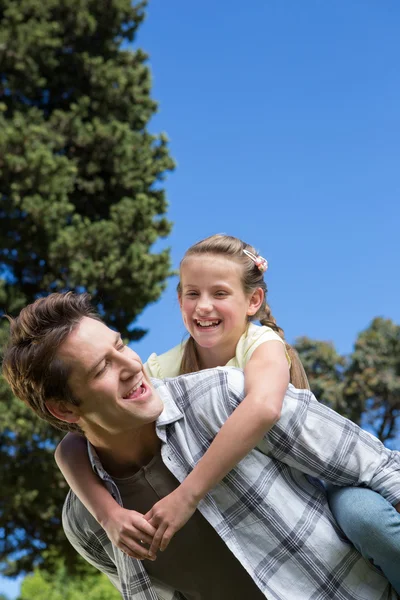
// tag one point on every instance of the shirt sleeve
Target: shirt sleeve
(165, 365)
(256, 335)
(316, 440)
(87, 543)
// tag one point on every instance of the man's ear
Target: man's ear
(256, 300)
(64, 411)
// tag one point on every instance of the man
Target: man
(265, 531)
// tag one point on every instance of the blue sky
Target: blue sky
(284, 121)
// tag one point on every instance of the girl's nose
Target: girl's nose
(204, 305)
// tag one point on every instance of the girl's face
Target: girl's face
(214, 307)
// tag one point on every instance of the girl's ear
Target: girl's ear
(180, 299)
(64, 411)
(255, 301)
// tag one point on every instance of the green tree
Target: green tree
(365, 386)
(373, 378)
(59, 585)
(325, 369)
(82, 205)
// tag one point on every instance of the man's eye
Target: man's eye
(121, 347)
(102, 369)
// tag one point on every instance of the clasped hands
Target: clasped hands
(141, 536)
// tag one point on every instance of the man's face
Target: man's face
(108, 378)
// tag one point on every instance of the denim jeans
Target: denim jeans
(372, 525)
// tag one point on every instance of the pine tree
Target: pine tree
(82, 205)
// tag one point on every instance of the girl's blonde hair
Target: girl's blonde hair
(253, 278)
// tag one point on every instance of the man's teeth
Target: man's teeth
(208, 323)
(133, 390)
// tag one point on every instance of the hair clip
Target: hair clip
(260, 262)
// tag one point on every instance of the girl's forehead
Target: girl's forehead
(211, 265)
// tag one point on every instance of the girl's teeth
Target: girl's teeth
(207, 323)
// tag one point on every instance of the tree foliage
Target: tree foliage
(81, 206)
(373, 378)
(324, 368)
(60, 585)
(364, 386)
(81, 202)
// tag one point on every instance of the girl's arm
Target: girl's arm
(125, 528)
(266, 381)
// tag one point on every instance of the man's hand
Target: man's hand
(130, 532)
(168, 516)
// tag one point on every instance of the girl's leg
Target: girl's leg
(372, 525)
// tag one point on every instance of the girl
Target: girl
(221, 291)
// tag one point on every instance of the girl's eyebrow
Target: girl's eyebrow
(93, 368)
(215, 286)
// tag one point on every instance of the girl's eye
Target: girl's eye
(191, 294)
(221, 294)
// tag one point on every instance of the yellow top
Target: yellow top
(168, 364)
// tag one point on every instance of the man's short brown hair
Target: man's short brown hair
(30, 362)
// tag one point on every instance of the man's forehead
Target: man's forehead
(88, 338)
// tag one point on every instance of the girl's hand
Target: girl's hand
(130, 532)
(168, 516)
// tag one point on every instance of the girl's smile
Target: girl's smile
(214, 307)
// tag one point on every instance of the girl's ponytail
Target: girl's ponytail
(298, 376)
(190, 360)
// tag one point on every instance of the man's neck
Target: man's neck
(123, 454)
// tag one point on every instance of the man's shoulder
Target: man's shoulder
(211, 394)
(204, 381)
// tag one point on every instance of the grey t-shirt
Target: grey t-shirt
(197, 562)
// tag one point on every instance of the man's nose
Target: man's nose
(128, 366)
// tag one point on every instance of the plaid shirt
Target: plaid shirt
(271, 514)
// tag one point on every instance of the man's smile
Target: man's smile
(139, 391)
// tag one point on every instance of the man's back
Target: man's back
(272, 517)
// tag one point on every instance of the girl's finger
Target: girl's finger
(155, 544)
(134, 550)
(154, 524)
(148, 515)
(145, 526)
(136, 536)
(167, 537)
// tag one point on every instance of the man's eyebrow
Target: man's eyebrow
(93, 368)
